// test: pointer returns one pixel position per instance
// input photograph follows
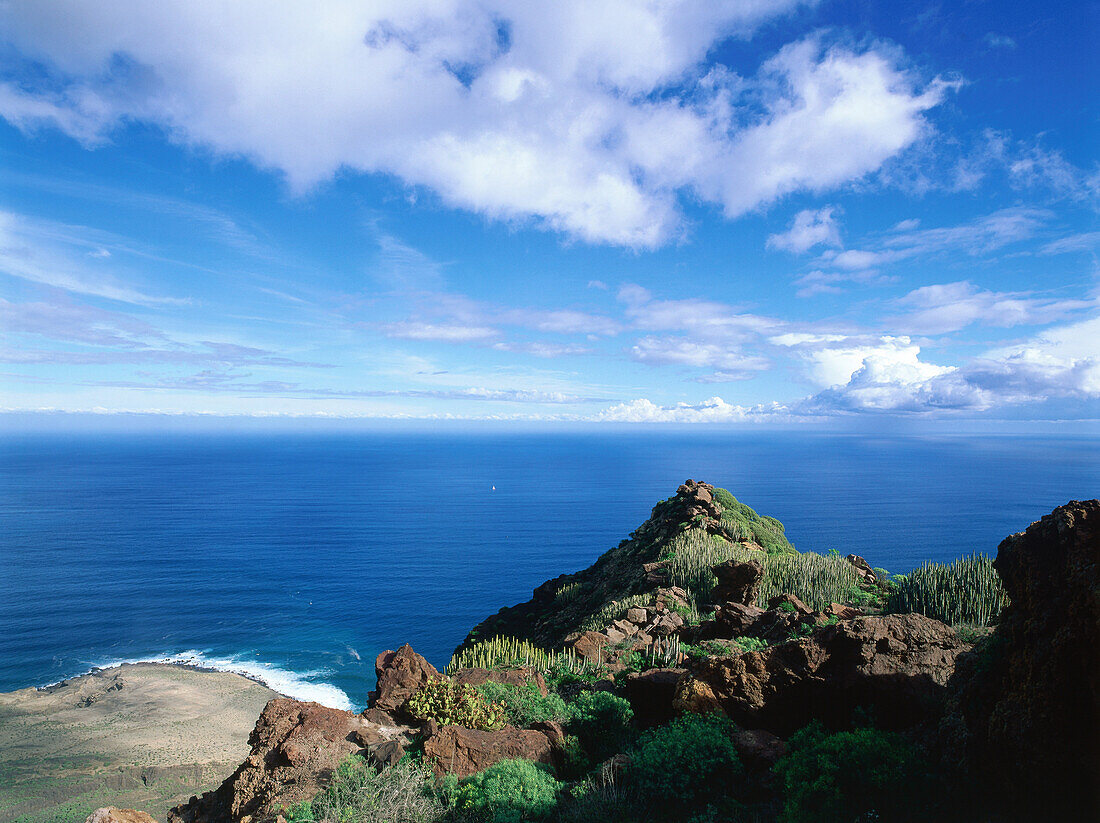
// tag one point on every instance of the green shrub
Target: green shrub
(510, 791)
(752, 644)
(462, 705)
(863, 774)
(602, 721)
(968, 590)
(360, 794)
(689, 762)
(523, 705)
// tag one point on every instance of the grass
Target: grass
(967, 591)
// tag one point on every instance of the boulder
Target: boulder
(110, 814)
(897, 666)
(789, 603)
(738, 581)
(462, 752)
(650, 694)
(590, 645)
(736, 618)
(637, 616)
(844, 612)
(400, 675)
(522, 676)
(1025, 721)
(863, 569)
(296, 747)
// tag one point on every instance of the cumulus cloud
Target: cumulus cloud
(810, 228)
(588, 118)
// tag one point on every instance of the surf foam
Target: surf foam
(298, 685)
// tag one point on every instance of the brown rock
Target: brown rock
(759, 749)
(736, 618)
(738, 581)
(590, 645)
(462, 752)
(791, 600)
(110, 814)
(614, 635)
(522, 676)
(1025, 723)
(400, 674)
(387, 752)
(625, 627)
(637, 616)
(863, 569)
(896, 665)
(650, 694)
(844, 612)
(295, 749)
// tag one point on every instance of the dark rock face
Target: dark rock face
(400, 675)
(295, 749)
(1025, 723)
(895, 666)
(650, 694)
(738, 582)
(863, 569)
(462, 752)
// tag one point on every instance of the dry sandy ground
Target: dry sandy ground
(145, 735)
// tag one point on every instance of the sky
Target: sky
(762, 211)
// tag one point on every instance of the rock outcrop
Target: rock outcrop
(462, 752)
(738, 582)
(1025, 720)
(109, 814)
(399, 675)
(651, 693)
(895, 666)
(295, 749)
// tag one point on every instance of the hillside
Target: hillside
(685, 535)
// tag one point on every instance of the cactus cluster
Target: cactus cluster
(966, 592)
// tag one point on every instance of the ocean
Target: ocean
(297, 558)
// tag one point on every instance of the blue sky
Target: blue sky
(789, 212)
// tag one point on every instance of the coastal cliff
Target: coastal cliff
(705, 670)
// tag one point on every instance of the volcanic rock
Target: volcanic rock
(462, 752)
(1025, 724)
(296, 747)
(863, 568)
(400, 675)
(896, 666)
(738, 582)
(650, 694)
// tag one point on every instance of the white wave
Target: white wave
(298, 685)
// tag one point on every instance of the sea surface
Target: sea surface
(297, 558)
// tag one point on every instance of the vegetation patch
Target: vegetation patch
(967, 591)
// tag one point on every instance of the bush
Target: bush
(447, 703)
(602, 721)
(509, 792)
(689, 762)
(359, 794)
(523, 705)
(847, 776)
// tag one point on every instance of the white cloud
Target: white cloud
(588, 118)
(705, 319)
(834, 360)
(948, 307)
(999, 41)
(685, 352)
(446, 332)
(714, 410)
(810, 228)
(828, 282)
(53, 255)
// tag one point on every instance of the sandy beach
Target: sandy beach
(143, 735)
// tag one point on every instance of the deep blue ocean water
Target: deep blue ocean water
(299, 557)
